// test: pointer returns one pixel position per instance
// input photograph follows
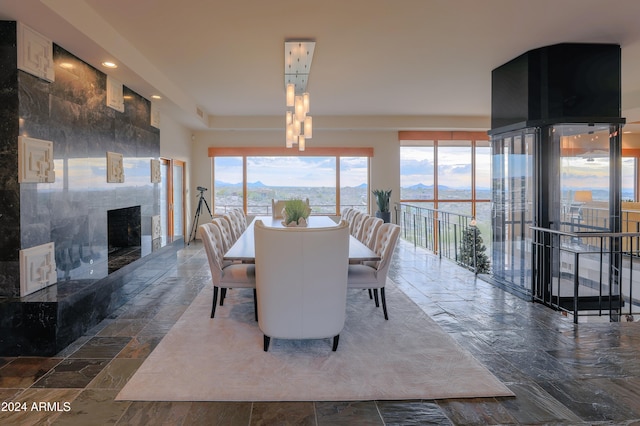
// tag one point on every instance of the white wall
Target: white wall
(176, 143)
(385, 164)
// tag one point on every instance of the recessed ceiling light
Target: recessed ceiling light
(66, 65)
(109, 64)
(156, 97)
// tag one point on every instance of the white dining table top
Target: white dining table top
(244, 248)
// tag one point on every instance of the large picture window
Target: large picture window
(448, 171)
(251, 177)
(437, 168)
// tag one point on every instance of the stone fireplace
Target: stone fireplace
(124, 236)
(97, 267)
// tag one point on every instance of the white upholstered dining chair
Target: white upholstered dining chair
(278, 205)
(302, 285)
(346, 212)
(356, 222)
(225, 232)
(235, 275)
(236, 229)
(241, 218)
(369, 230)
(373, 275)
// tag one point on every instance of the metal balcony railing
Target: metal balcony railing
(450, 235)
(587, 273)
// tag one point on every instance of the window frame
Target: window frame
(245, 152)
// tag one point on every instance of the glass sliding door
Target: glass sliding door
(178, 198)
(165, 198)
(172, 208)
(584, 176)
(512, 210)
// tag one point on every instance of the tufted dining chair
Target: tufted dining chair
(346, 212)
(240, 218)
(225, 231)
(349, 215)
(356, 222)
(368, 230)
(301, 286)
(373, 275)
(235, 226)
(235, 275)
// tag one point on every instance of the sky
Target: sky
(416, 167)
(293, 171)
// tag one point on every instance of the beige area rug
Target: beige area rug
(222, 359)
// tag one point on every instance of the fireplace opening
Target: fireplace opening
(124, 236)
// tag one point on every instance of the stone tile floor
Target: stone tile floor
(561, 373)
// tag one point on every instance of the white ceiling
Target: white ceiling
(421, 59)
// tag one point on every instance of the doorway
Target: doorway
(172, 195)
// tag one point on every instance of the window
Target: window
(449, 172)
(354, 175)
(332, 178)
(283, 178)
(417, 172)
(629, 178)
(439, 167)
(228, 186)
(454, 170)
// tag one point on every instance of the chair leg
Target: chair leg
(384, 303)
(223, 294)
(375, 297)
(267, 339)
(370, 294)
(255, 304)
(336, 338)
(215, 300)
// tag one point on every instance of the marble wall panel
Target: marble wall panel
(9, 187)
(34, 104)
(72, 211)
(71, 112)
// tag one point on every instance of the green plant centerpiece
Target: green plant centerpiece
(296, 212)
(383, 197)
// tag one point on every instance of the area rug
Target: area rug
(222, 359)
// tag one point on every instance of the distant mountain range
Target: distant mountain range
(416, 187)
(219, 183)
(423, 186)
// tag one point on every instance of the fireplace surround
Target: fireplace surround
(124, 236)
(72, 210)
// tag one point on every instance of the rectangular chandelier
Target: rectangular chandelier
(297, 65)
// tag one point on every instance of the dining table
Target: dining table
(244, 249)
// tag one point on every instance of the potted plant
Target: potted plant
(382, 200)
(296, 212)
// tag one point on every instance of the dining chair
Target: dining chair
(276, 208)
(235, 275)
(372, 275)
(233, 224)
(278, 205)
(240, 217)
(301, 286)
(345, 213)
(227, 242)
(349, 214)
(356, 222)
(225, 232)
(368, 230)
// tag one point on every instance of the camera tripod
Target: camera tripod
(202, 200)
